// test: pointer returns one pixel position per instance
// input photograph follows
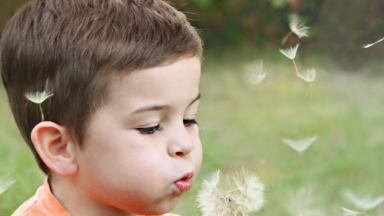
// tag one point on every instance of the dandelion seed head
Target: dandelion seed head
(297, 26)
(367, 203)
(300, 145)
(309, 75)
(290, 52)
(5, 183)
(38, 97)
(239, 194)
(254, 72)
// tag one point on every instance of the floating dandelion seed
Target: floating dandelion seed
(303, 203)
(309, 75)
(297, 26)
(5, 183)
(290, 52)
(348, 212)
(243, 193)
(366, 203)
(369, 45)
(38, 98)
(254, 73)
(300, 145)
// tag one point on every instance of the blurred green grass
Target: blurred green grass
(242, 126)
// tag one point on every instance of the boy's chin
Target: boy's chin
(164, 208)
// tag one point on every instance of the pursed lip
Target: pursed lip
(185, 182)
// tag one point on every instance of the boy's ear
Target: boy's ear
(55, 148)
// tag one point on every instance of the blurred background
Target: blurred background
(242, 125)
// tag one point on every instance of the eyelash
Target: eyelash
(152, 130)
(189, 122)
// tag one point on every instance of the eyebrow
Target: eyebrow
(161, 107)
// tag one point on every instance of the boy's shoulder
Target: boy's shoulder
(42, 203)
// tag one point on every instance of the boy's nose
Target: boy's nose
(180, 142)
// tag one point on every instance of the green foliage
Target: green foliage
(234, 22)
(344, 30)
(310, 5)
(279, 3)
(206, 4)
(7, 9)
(335, 29)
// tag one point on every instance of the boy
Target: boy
(118, 136)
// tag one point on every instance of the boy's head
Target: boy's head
(78, 48)
(141, 150)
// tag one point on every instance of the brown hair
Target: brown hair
(73, 48)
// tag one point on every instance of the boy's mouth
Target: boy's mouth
(185, 183)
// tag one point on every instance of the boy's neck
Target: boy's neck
(65, 191)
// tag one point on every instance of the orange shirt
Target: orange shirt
(44, 203)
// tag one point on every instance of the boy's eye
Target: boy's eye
(189, 122)
(150, 130)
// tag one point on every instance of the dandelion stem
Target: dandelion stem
(42, 114)
(297, 71)
(286, 38)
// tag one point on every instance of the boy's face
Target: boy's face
(142, 148)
